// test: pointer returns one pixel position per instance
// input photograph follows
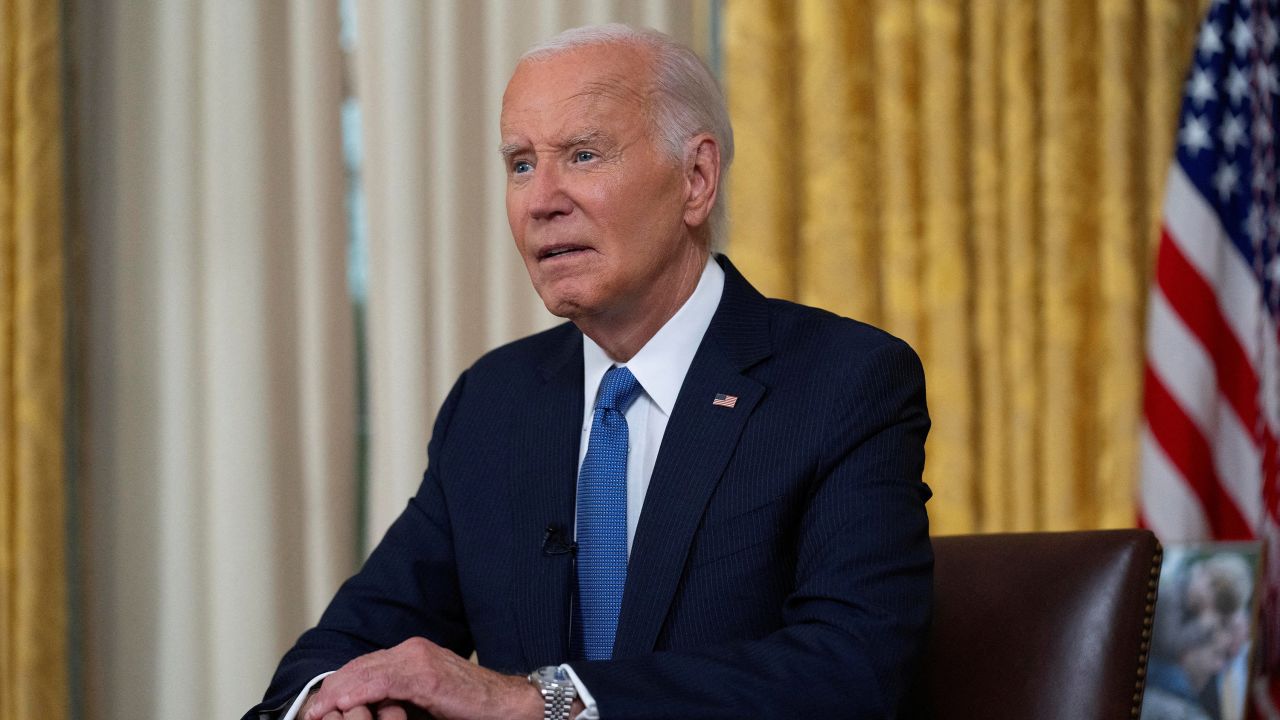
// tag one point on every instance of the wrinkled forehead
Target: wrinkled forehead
(593, 78)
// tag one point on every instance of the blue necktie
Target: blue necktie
(602, 517)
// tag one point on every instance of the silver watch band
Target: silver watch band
(556, 704)
(558, 692)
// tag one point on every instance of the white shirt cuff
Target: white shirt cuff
(590, 713)
(302, 696)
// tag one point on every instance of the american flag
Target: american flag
(725, 400)
(1212, 399)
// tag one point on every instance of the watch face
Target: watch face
(551, 674)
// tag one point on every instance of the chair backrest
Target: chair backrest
(1042, 625)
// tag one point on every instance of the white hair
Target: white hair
(687, 99)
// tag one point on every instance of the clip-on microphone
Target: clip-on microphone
(556, 542)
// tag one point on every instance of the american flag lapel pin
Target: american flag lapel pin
(725, 400)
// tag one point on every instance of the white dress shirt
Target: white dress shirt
(659, 367)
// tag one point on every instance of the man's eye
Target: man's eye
(520, 167)
(584, 156)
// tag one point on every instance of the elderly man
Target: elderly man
(689, 501)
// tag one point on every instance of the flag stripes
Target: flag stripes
(1180, 511)
(1191, 455)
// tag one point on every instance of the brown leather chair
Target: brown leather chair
(1041, 625)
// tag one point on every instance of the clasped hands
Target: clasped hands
(419, 679)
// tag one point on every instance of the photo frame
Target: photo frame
(1201, 661)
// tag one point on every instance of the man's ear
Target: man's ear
(702, 178)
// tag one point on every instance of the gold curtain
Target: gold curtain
(33, 600)
(982, 178)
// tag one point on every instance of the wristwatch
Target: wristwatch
(557, 690)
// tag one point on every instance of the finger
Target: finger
(306, 706)
(392, 711)
(369, 690)
(358, 713)
(323, 702)
(321, 706)
(359, 682)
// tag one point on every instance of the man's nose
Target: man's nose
(547, 196)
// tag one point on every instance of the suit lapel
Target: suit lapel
(543, 478)
(698, 442)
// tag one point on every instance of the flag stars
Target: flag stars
(1200, 87)
(1210, 41)
(1232, 132)
(1267, 78)
(1225, 180)
(1194, 136)
(1241, 36)
(1237, 85)
(1270, 37)
(1255, 225)
(1259, 179)
(1262, 132)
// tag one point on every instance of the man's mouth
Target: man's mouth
(555, 251)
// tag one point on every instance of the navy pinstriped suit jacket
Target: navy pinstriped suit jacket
(781, 566)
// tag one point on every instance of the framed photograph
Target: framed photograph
(1205, 628)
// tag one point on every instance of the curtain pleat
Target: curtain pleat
(1068, 128)
(1121, 265)
(33, 581)
(840, 192)
(758, 46)
(899, 167)
(1019, 191)
(989, 310)
(981, 179)
(945, 310)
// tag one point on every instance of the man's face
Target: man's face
(596, 207)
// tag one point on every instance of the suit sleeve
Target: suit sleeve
(407, 588)
(855, 625)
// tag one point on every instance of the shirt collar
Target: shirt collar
(660, 366)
